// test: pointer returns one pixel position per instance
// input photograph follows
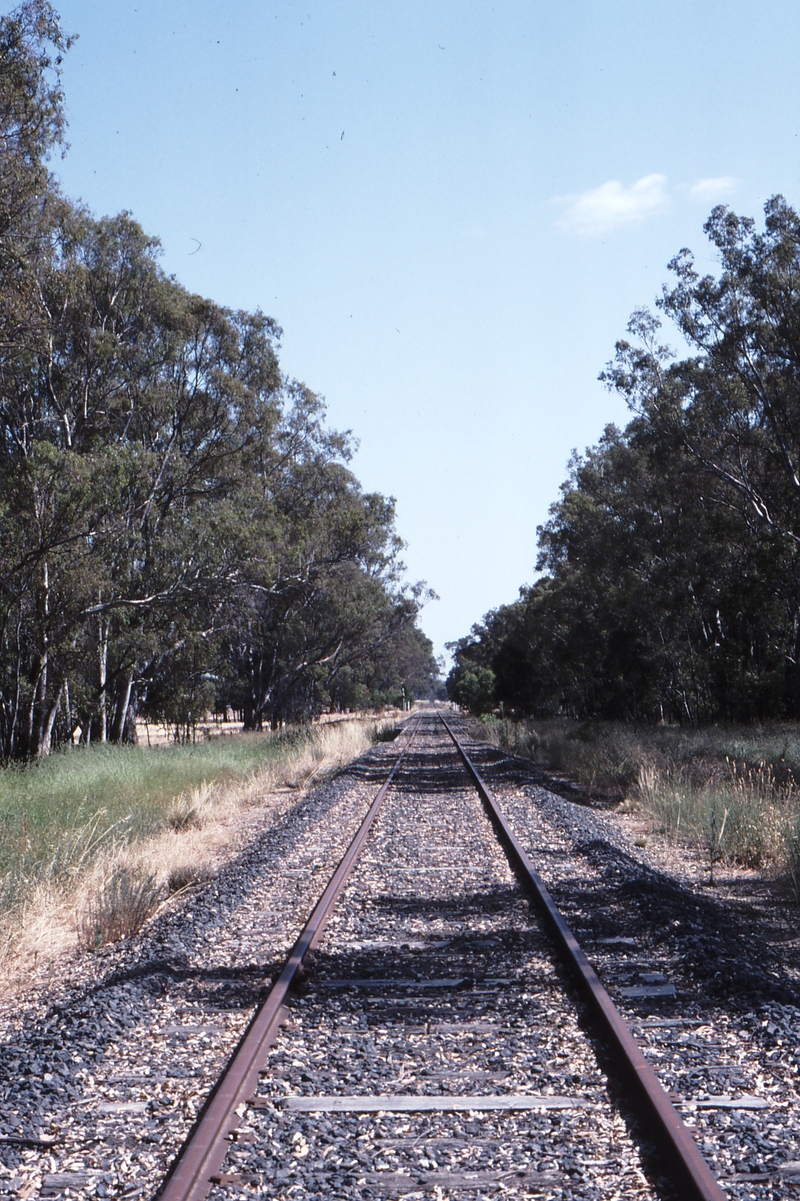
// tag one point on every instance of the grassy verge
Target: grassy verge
(733, 793)
(92, 842)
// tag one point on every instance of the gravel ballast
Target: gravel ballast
(111, 1065)
(433, 981)
(725, 1042)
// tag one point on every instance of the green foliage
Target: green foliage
(671, 585)
(178, 527)
(474, 690)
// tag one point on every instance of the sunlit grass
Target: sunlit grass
(92, 841)
(732, 792)
(57, 815)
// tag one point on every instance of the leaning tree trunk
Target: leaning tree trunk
(46, 737)
(121, 712)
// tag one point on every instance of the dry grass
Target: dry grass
(735, 815)
(104, 879)
(731, 792)
(118, 907)
(193, 809)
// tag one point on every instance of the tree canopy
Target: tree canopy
(671, 585)
(179, 529)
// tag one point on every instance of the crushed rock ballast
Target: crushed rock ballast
(434, 981)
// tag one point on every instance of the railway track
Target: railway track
(422, 1038)
(433, 1045)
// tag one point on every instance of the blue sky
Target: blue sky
(450, 207)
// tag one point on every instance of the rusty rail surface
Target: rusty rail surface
(683, 1157)
(191, 1174)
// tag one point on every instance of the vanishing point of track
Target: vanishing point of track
(401, 988)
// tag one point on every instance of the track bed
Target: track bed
(433, 1045)
(435, 982)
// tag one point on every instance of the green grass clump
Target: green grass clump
(57, 815)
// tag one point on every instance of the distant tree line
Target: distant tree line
(671, 562)
(179, 530)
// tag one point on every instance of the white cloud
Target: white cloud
(612, 204)
(715, 188)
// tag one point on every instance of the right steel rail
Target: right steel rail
(683, 1155)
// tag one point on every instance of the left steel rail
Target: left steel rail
(191, 1175)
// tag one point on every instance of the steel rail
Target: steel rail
(683, 1157)
(190, 1176)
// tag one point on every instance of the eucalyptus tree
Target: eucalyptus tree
(656, 602)
(320, 591)
(32, 126)
(125, 440)
(668, 603)
(175, 516)
(402, 667)
(734, 404)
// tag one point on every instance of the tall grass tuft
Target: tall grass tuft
(733, 793)
(107, 833)
(118, 907)
(737, 813)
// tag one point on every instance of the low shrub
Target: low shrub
(187, 875)
(386, 732)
